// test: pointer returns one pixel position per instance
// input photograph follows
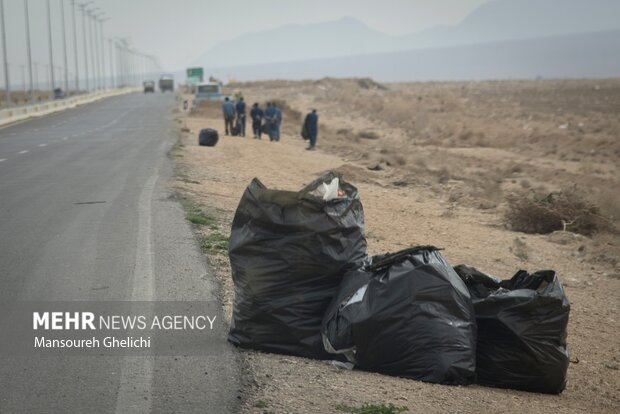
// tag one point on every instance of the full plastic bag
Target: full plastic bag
(288, 252)
(521, 329)
(408, 315)
(208, 137)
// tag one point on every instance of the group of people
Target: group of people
(266, 121)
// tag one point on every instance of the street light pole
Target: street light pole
(64, 45)
(93, 53)
(29, 52)
(97, 48)
(85, 43)
(7, 82)
(23, 77)
(112, 84)
(49, 37)
(75, 48)
(102, 42)
(119, 71)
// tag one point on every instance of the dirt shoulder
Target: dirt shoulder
(213, 179)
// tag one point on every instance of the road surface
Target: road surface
(87, 214)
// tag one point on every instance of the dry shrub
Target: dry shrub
(563, 210)
(520, 249)
(400, 160)
(288, 112)
(368, 135)
(443, 176)
(368, 83)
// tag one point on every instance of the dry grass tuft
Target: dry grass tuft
(564, 210)
(368, 135)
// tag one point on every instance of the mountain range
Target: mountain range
(496, 21)
(583, 55)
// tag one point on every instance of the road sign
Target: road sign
(195, 73)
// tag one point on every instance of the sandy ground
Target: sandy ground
(434, 189)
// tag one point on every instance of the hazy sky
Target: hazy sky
(178, 31)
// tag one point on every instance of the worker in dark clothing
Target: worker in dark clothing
(270, 121)
(240, 107)
(278, 123)
(311, 127)
(257, 119)
(228, 110)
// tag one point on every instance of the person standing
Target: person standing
(270, 121)
(240, 107)
(311, 126)
(278, 122)
(228, 110)
(257, 119)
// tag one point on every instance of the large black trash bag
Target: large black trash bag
(208, 137)
(409, 315)
(288, 253)
(521, 329)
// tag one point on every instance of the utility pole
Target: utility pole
(49, 37)
(7, 82)
(29, 53)
(75, 49)
(64, 45)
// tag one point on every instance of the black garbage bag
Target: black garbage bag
(408, 315)
(208, 137)
(521, 329)
(288, 253)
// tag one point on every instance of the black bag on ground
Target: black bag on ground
(408, 315)
(521, 330)
(288, 252)
(208, 137)
(235, 130)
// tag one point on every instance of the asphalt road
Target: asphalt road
(87, 214)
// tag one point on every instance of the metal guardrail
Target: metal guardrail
(20, 113)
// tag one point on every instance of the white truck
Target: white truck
(210, 91)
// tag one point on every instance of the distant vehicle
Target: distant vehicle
(149, 86)
(210, 91)
(166, 83)
(59, 94)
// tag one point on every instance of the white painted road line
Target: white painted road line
(135, 390)
(23, 152)
(2, 159)
(43, 145)
(64, 138)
